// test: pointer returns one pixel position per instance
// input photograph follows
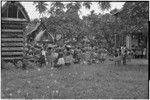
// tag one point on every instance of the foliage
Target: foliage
(135, 16)
(99, 29)
(56, 8)
(135, 11)
(87, 4)
(35, 21)
(104, 5)
(40, 7)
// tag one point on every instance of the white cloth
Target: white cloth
(55, 55)
(43, 52)
(144, 51)
(61, 61)
(103, 55)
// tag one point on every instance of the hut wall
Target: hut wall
(12, 40)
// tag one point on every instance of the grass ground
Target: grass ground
(96, 81)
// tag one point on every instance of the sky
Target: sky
(30, 8)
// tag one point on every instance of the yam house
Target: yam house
(14, 21)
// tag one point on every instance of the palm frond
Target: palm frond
(87, 4)
(104, 5)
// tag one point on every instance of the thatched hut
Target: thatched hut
(14, 21)
(39, 34)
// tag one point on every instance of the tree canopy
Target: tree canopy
(135, 16)
(99, 29)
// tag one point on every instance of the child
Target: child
(117, 57)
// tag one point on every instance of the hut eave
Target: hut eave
(14, 19)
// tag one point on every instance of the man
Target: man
(124, 54)
(44, 55)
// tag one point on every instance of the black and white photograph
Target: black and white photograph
(74, 49)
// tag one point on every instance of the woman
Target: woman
(61, 60)
(52, 56)
(144, 53)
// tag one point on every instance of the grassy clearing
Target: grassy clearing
(78, 81)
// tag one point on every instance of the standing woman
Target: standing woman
(50, 57)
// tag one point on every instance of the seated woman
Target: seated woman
(60, 60)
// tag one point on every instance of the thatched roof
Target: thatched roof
(6, 5)
(39, 35)
(32, 28)
(36, 34)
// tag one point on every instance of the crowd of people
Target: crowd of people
(66, 55)
(126, 54)
(54, 55)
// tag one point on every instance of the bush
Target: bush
(3, 64)
(19, 64)
(28, 64)
(8, 66)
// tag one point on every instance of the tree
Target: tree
(70, 26)
(41, 7)
(87, 4)
(135, 16)
(104, 5)
(35, 21)
(56, 9)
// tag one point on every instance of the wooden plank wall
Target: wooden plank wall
(12, 41)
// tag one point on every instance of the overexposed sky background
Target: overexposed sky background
(30, 8)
